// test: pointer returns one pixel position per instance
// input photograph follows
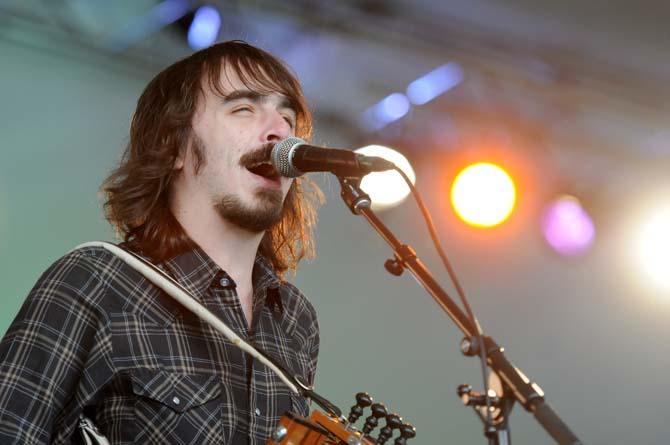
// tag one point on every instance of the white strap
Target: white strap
(172, 288)
(90, 433)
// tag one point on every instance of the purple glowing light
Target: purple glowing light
(567, 227)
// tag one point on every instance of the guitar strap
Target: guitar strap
(89, 432)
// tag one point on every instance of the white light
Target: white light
(654, 249)
(386, 189)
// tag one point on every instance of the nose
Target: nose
(276, 127)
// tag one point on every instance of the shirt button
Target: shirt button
(257, 412)
(176, 400)
(225, 282)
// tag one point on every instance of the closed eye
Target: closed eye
(290, 122)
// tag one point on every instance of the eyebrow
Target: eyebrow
(256, 97)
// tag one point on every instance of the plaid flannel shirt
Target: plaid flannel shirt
(94, 336)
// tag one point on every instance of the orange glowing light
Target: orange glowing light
(483, 195)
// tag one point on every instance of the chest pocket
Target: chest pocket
(181, 408)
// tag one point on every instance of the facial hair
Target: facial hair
(258, 219)
(269, 208)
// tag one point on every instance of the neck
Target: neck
(229, 246)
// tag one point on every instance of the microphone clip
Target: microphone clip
(352, 194)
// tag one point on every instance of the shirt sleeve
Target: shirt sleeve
(55, 355)
(313, 340)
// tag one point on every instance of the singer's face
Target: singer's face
(235, 134)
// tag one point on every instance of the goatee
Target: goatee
(266, 214)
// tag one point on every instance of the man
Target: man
(193, 194)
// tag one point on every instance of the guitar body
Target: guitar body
(319, 429)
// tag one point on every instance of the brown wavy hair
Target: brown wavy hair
(137, 191)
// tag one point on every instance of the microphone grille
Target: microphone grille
(282, 154)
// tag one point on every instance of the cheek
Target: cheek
(217, 173)
(220, 160)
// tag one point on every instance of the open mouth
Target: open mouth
(264, 169)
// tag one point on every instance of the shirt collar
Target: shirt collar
(196, 271)
(263, 275)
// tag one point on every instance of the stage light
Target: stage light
(437, 82)
(421, 91)
(394, 107)
(483, 195)
(204, 29)
(386, 189)
(567, 227)
(653, 249)
(389, 109)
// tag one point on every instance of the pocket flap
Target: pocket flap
(177, 391)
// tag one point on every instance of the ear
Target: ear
(179, 160)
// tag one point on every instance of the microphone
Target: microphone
(293, 157)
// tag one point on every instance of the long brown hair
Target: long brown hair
(137, 191)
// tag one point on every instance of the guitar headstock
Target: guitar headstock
(327, 429)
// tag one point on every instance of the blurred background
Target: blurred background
(565, 255)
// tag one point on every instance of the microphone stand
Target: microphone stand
(516, 386)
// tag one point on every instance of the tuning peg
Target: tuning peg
(407, 431)
(363, 400)
(393, 422)
(378, 411)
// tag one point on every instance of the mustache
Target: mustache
(260, 155)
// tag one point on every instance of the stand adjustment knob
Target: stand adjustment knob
(477, 399)
(464, 392)
(393, 267)
(470, 346)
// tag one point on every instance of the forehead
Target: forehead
(228, 79)
(221, 77)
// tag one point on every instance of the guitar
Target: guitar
(329, 429)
